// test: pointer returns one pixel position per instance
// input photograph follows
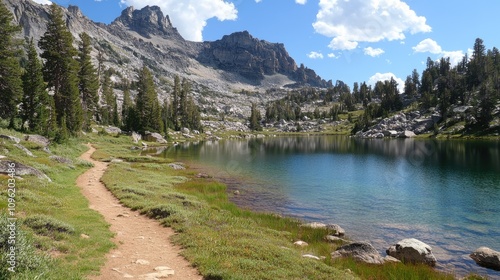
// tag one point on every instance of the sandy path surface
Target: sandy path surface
(144, 250)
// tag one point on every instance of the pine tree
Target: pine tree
(255, 118)
(147, 108)
(34, 106)
(115, 118)
(175, 103)
(107, 100)
(10, 71)
(88, 81)
(60, 70)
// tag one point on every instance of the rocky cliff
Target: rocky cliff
(219, 71)
(147, 36)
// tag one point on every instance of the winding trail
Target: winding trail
(144, 250)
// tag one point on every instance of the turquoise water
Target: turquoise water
(445, 193)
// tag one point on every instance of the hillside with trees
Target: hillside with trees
(61, 93)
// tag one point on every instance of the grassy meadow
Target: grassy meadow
(64, 239)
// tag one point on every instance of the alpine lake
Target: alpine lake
(445, 193)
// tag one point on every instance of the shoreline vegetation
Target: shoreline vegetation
(222, 240)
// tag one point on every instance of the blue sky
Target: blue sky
(348, 40)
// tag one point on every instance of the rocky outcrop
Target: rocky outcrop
(362, 252)
(112, 130)
(147, 21)
(21, 170)
(486, 257)
(38, 139)
(253, 58)
(10, 138)
(154, 137)
(403, 125)
(412, 251)
(25, 150)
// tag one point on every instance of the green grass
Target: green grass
(53, 215)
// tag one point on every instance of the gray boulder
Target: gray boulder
(21, 170)
(63, 160)
(412, 250)
(407, 134)
(38, 139)
(136, 137)
(10, 138)
(112, 130)
(338, 231)
(185, 130)
(176, 166)
(28, 152)
(360, 251)
(487, 257)
(155, 137)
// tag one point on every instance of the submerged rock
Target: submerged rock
(412, 250)
(487, 257)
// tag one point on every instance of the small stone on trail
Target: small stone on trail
(143, 262)
(236, 192)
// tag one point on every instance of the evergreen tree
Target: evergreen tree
(175, 103)
(88, 81)
(60, 70)
(147, 108)
(255, 118)
(10, 70)
(107, 100)
(35, 103)
(116, 117)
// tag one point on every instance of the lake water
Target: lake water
(444, 193)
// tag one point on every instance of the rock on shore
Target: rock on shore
(412, 250)
(486, 257)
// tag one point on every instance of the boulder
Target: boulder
(61, 160)
(38, 139)
(21, 170)
(487, 257)
(360, 251)
(390, 133)
(300, 243)
(338, 231)
(333, 238)
(176, 166)
(136, 137)
(112, 130)
(28, 152)
(407, 134)
(185, 130)
(155, 137)
(10, 138)
(412, 250)
(314, 225)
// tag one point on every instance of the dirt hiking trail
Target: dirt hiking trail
(143, 250)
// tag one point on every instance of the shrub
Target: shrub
(48, 226)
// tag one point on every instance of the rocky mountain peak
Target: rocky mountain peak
(146, 21)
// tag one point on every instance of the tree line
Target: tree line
(57, 95)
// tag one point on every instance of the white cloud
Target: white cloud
(373, 52)
(258, 1)
(455, 56)
(428, 45)
(350, 22)
(431, 46)
(301, 2)
(332, 55)
(386, 77)
(315, 55)
(190, 16)
(43, 2)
